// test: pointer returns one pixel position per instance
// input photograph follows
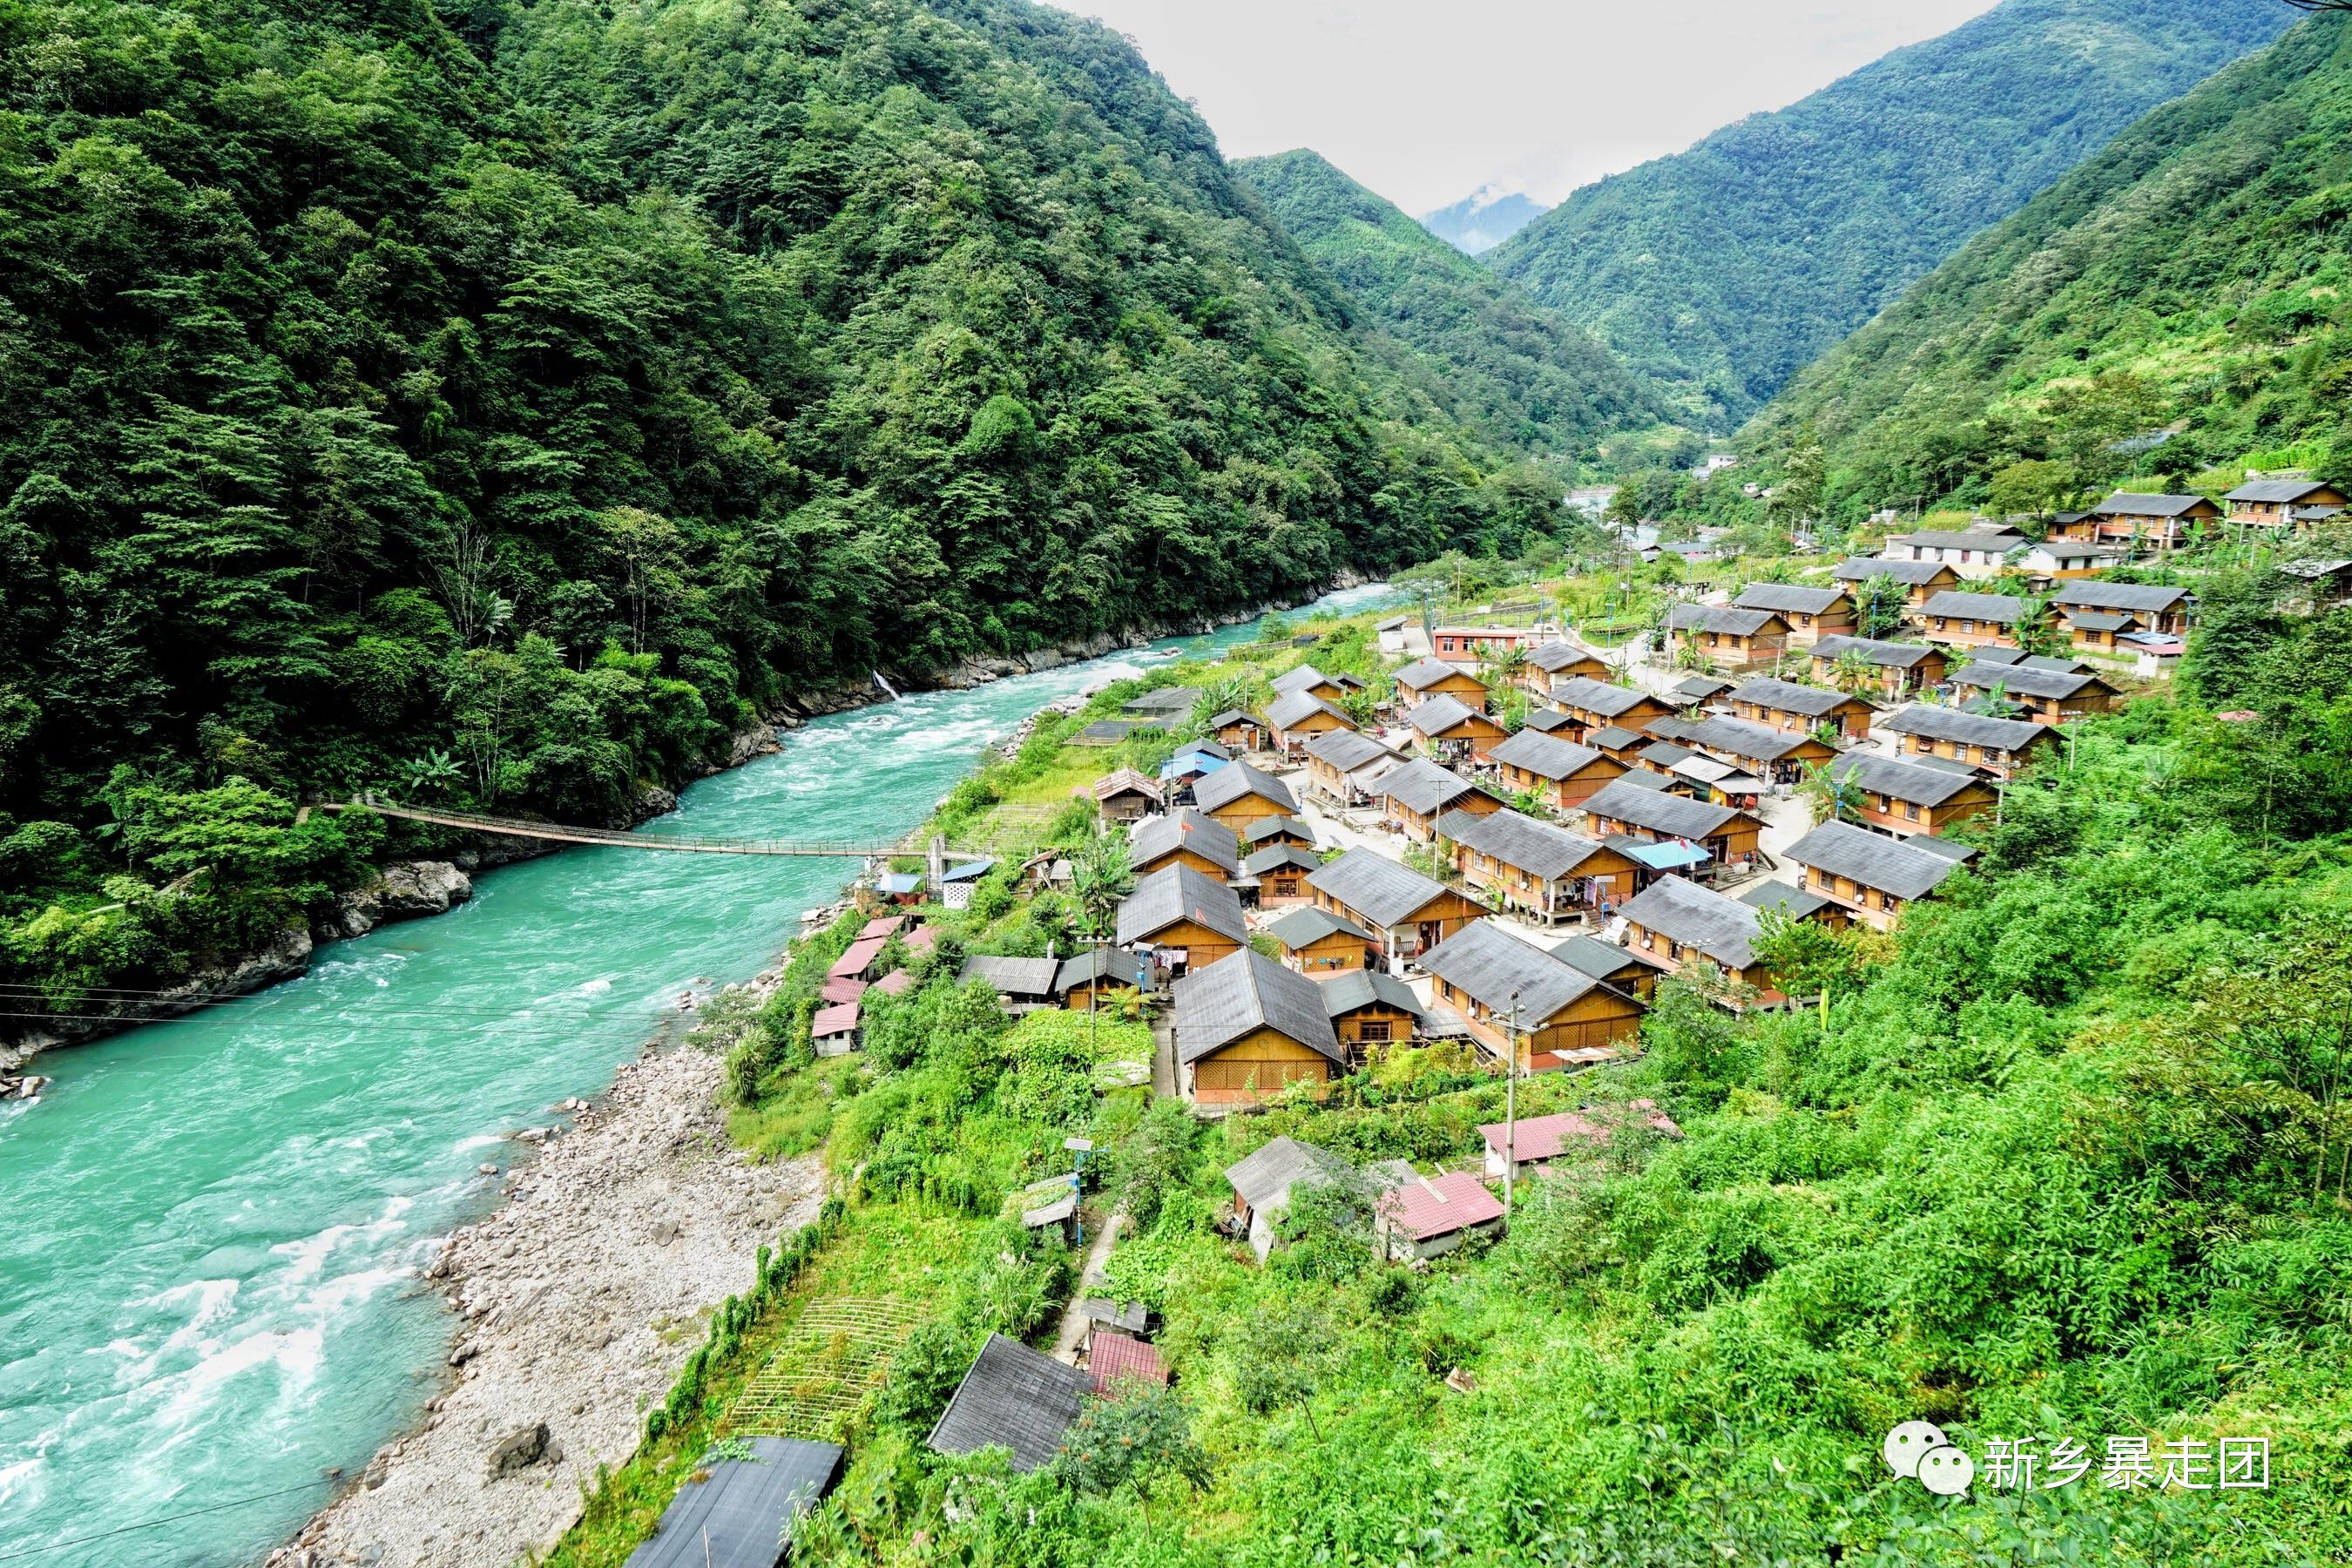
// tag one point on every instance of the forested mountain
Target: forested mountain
(1521, 373)
(2191, 277)
(557, 392)
(1483, 220)
(1728, 267)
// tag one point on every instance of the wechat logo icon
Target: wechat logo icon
(1920, 1450)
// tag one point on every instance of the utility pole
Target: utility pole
(1511, 1110)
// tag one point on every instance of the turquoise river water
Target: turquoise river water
(208, 1286)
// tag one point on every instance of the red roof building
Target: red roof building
(846, 988)
(835, 1029)
(858, 959)
(1539, 1139)
(921, 940)
(1120, 1364)
(898, 982)
(1431, 1215)
(881, 925)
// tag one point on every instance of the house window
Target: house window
(1911, 811)
(1375, 1032)
(1941, 624)
(1675, 951)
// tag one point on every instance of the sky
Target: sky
(1425, 101)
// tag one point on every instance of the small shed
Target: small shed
(1125, 795)
(1011, 1397)
(1540, 1140)
(833, 1030)
(1121, 1366)
(740, 1514)
(1263, 1181)
(1431, 1215)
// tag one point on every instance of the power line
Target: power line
(151, 1523)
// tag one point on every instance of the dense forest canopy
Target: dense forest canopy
(2176, 303)
(1725, 269)
(1523, 375)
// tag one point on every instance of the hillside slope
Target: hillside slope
(1521, 373)
(2192, 275)
(1728, 267)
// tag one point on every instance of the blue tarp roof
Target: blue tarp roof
(967, 870)
(899, 882)
(1191, 763)
(1670, 855)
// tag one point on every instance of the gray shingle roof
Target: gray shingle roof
(1381, 890)
(1601, 959)
(1616, 737)
(1536, 847)
(1440, 714)
(1543, 720)
(1554, 657)
(1897, 866)
(2126, 503)
(1299, 680)
(1354, 988)
(1682, 911)
(1424, 788)
(1911, 573)
(1296, 708)
(2275, 490)
(1590, 695)
(1699, 688)
(2028, 680)
(1671, 815)
(2001, 608)
(2100, 620)
(1021, 978)
(1546, 756)
(1165, 700)
(1887, 655)
(1265, 828)
(1488, 963)
(1281, 855)
(1234, 780)
(1012, 1398)
(737, 1516)
(1347, 750)
(1266, 1174)
(1230, 716)
(1787, 598)
(1095, 963)
(1424, 673)
(1245, 992)
(1966, 729)
(1723, 620)
(1303, 927)
(1180, 893)
(2141, 596)
(1738, 738)
(1788, 697)
(1794, 902)
(1910, 780)
(1188, 829)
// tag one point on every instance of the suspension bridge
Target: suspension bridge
(566, 833)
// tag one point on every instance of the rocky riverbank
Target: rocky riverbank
(575, 1304)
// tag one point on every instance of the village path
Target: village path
(1090, 1274)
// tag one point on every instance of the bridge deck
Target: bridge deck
(563, 832)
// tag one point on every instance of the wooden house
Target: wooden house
(1277, 875)
(2058, 559)
(1618, 742)
(1895, 667)
(1268, 831)
(1872, 876)
(1772, 755)
(1801, 710)
(1697, 691)
(1296, 719)
(1812, 614)
(1345, 766)
(1025, 983)
(1247, 1029)
(1908, 797)
(1731, 637)
(1447, 729)
(1598, 705)
(1980, 551)
(1557, 660)
(1484, 973)
(1629, 969)
(1544, 872)
(2273, 504)
(1189, 920)
(1264, 1180)
(1921, 580)
(1977, 620)
(1416, 794)
(1238, 795)
(2145, 525)
(1478, 645)
(1368, 1008)
(1405, 912)
(1099, 978)
(1564, 775)
(1126, 795)
(1721, 835)
(1316, 942)
(1331, 688)
(1429, 1217)
(1681, 923)
(1423, 679)
(1011, 1397)
(2042, 696)
(2153, 608)
(1997, 748)
(1795, 902)
(1184, 837)
(1238, 731)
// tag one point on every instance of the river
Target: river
(208, 1291)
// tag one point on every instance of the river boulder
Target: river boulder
(519, 1449)
(401, 891)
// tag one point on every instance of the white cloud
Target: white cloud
(1424, 103)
